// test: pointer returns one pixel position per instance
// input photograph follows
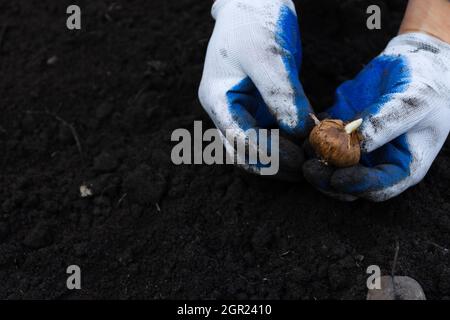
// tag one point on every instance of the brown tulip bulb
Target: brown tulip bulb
(335, 142)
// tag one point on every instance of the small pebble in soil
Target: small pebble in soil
(52, 60)
(397, 288)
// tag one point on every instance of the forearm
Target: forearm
(428, 16)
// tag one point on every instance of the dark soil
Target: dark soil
(125, 82)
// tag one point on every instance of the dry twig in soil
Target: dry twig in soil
(65, 123)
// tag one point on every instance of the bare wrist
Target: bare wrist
(428, 16)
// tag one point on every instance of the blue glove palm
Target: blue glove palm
(251, 76)
(402, 97)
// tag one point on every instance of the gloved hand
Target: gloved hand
(403, 97)
(251, 76)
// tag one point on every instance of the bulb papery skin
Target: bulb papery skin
(334, 145)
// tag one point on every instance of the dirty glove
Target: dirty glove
(251, 77)
(403, 97)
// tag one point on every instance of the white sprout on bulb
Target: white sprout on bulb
(353, 126)
(349, 128)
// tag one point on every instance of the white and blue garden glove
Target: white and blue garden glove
(251, 77)
(403, 97)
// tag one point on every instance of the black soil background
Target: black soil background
(125, 82)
